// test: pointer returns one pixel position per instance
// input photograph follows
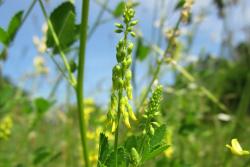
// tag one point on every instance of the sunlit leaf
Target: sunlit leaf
(118, 11)
(3, 36)
(63, 21)
(158, 136)
(103, 149)
(14, 25)
(40, 155)
(142, 50)
(180, 4)
(42, 105)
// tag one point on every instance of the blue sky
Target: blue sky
(101, 47)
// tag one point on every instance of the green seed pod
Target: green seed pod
(129, 29)
(133, 23)
(131, 13)
(155, 124)
(118, 25)
(157, 113)
(118, 31)
(151, 130)
(133, 34)
(135, 157)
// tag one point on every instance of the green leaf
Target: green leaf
(42, 105)
(4, 54)
(3, 36)
(99, 164)
(158, 136)
(40, 155)
(142, 50)
(180, 4)
(118, 11)
(122, 158)
(14, 25)
(155, 151)
(63, 22)
(103, 149)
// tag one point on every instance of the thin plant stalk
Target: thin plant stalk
(117, 128)
(57, 42)
(157, 71)
(80, 79)
(119, 111)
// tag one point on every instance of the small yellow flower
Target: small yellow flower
(236, 149)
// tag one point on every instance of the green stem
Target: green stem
(29, 10)
(80, 78)
(119, 101)
(57, 42)
(117, 128)
(158, 69)
(191, 78)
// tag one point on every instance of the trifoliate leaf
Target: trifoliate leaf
(155, 151)
(3, 36)
(118, 11)
(14, 25)
(42, 105)
(142, 50)
(122, 158)
(103, 149)
(158, 136)
(63, 22)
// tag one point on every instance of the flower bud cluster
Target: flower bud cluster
(153, 111)
(40, 43)
(171, 35)
(128, 15)
(39, 64)
(122, 90)
(186, 11)
(5, 127)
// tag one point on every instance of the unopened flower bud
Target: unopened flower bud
(130, 47)
(135, 157)
(118, 25)
(133, 23)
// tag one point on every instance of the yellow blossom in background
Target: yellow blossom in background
(93, 132)
(170, 150)
(236, 149)
(6, 125)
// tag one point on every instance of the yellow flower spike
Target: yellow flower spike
(126, 119)
(113, 127)
(236, 149)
